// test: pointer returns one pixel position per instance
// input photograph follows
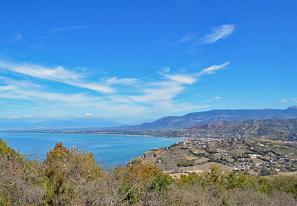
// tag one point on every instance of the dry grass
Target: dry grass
(68, 177)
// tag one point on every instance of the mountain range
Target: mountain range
(198, 118)
(165, 123)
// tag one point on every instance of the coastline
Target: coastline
(83, 132)
(112, 149)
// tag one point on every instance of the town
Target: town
(253, 156)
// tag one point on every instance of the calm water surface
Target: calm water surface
(109, 150)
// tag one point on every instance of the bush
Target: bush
(66, 170)
(70, 177)
(161, 182)
(21, 180)
(187, 163)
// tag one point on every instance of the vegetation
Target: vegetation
(70, 177)
(186, 163)
(255, 156)
(278, 129)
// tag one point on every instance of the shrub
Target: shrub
(66, 170)
(21, 180)
(187, 163)
(71, 177)
(161, 182)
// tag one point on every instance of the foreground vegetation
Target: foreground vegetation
(70, 177)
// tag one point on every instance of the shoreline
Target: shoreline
(77, 141)
(86, 133)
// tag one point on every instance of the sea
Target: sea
(109, 150)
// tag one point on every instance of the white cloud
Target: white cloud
(212, 69)
(167, 89)
(218, 33)
(17, 83)
(88, 114)
(124, 81)
(7, 88)
(27, 116)
(163, 93)
(178, 78)
(217, 98)
(292, 100)
(68, 28)
(150, 98)
(42, 41)
(164, 70)
(188, 37)
(32, 95)
(52, 102)
(92, 86)
(283, 100)
(58, 74)
(182, 79)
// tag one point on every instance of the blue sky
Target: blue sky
(139, 60)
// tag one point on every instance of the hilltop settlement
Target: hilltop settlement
(253, 156)
(257, 142)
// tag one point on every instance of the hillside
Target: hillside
(196, 118)
(70, 177)
(283, 129)
(254, 156)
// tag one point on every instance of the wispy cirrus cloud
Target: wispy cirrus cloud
(53, 31)
(214, 68)
(140, 96)
(188, 37)
(7, 88)
(124, 81)
(192, 78)
(217, 98)
(57, 73)
(57, 103)
(292, 100)
(68, 28)
(17, 83)
(218, 33)
(171, 86)
(181, 78)
(166, 91)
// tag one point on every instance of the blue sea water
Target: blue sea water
(109, 150)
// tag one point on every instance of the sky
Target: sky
(133, 61)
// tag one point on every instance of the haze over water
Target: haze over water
(108, 150)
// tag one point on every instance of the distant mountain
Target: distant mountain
(165, 123)
(71, 123)
(196, 118)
